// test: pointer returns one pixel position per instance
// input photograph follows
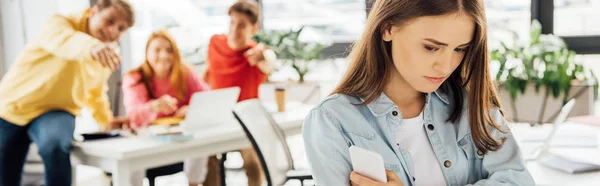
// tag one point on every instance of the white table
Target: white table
(547, 176)
(122, 156)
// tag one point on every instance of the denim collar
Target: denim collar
(383, 104)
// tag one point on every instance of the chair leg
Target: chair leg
(151, 181)
(222, 165)
(109, 175)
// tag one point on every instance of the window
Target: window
(591, 61)
(507, 18)
(576, 21)
(576, 17)
(191, 22)
(337, 21)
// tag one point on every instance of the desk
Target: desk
(122, 156)
(547, 176)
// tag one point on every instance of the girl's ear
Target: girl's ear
(387, 31)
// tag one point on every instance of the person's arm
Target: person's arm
(137, 103)
(99, 105)
(326, 149)
(262, 57)
(360, 180)
(504, 166)
(60, 38)
(268, 64)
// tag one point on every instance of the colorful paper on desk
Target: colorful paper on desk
(173, 137)
(167, 121)
(161, 129)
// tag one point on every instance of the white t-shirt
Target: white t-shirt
(412, 137)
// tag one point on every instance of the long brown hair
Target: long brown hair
(178, 69)
(371, 59)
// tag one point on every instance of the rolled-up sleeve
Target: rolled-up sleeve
(504, 166)
(61, 39)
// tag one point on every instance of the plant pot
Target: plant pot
(527, 107)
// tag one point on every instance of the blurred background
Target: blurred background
(544, 52)
(335, 23)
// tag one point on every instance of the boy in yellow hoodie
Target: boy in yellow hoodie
(60, 71)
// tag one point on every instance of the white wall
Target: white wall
(1, 48)
(21, 20)
(13, 40)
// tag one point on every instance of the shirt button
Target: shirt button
(395, 113)
(430, 127)
(414, 179)
(447, 164)
(398, 144)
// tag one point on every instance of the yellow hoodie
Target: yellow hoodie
(56, 71)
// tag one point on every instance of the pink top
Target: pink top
(137, 101)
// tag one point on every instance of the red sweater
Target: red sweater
(229, 68)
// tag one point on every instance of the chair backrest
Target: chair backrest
(560, 120)
(266, 138)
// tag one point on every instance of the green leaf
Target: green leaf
(536, 31)
(504, 46)
(549, 51)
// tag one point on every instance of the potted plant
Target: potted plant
(301, 55)
(545, 64)
(291, 51)
(275, 40)
(292, 54)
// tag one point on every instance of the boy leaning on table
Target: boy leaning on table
(58, 72)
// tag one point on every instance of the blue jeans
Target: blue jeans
(52, 132)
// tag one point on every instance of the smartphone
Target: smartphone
(99, 135)
(368, 163)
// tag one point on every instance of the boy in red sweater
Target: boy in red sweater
(236, 60)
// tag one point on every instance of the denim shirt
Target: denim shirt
(337, 123)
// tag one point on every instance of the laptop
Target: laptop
(209, 109)
(560, 119)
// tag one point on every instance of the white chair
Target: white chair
(270, 143)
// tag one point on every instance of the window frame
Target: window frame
(543, 11)
(337, 49)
